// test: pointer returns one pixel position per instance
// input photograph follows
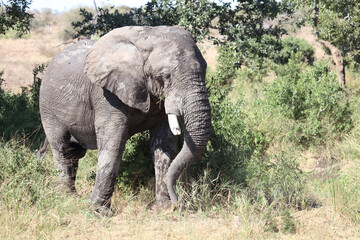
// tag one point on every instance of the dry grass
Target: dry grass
(151, 226)
(136, 222)
(20, 56)
(322, 223)
(69, 218)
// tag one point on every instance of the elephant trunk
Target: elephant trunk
(197, 124)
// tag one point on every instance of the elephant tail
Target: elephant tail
(42, 152)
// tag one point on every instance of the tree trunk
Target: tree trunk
(338, 59)
(316, 16)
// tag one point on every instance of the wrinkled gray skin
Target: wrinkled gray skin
(97, 95)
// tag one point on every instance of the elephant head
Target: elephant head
(135, 63)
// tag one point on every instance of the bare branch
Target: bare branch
(96, 14)
(321, 110)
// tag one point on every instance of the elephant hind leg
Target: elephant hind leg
(66, 161)
(66, 155)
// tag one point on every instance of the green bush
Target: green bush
(19, 112)
(235, 155)
(312, 97)
(252, 53)
(228, 61)
(231, 142)
(293, 45)
(259, 57)
(137, 167)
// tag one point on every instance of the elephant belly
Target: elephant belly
(83, 133)
(85, 140)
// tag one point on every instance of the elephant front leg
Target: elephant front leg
(163, 148)
(111, 148)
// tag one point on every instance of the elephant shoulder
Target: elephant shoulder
(67, 66)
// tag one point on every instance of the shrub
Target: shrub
(19, 113)
(231, 142)
(137, 167)
(293, 45)
(258, 57)
(313, 98)
(228, 61)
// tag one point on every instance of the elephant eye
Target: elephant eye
(167, 76)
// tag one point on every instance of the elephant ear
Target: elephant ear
(117, 65)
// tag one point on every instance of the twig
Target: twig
(321, 110)
(96, 9)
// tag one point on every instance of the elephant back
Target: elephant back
(65, 78)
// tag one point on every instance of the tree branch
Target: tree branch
(338, 59)
(321, 110)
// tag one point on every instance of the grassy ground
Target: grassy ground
(32, 210)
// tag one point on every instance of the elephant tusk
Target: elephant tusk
(174, 124)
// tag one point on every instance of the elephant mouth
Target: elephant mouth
(174, 124)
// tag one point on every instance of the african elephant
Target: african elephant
(97, 95)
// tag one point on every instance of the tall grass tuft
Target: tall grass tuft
(30, 207)
(24, 182)
(277, 180)
(205, 193)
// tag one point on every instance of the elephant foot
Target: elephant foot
(65, 187)
(101, 206)
(102, 211)
(173, 207)
(164, 205)
(65, 190)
